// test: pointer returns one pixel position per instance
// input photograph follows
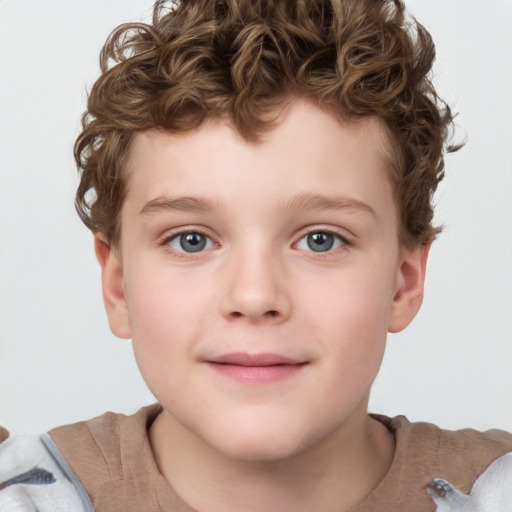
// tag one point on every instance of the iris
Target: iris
(320, 241)
(193, 242)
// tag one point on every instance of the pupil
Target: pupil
(320, 242)
(192, 242)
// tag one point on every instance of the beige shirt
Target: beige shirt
(112, 457)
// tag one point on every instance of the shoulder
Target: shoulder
(97, 444)
(455, 453)
(112, 457)
(31, 478)
(459, 456)
(424, 452)
(77, 467)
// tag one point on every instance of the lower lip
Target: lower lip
(257, 374)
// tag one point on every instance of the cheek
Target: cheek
(350, 324)
(352, 302)
(165, 317)
(161, 303)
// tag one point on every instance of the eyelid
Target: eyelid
(183, 230)
(322, 228)
(345, 241)
(319, 228)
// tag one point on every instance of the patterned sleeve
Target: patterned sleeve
(33, 479)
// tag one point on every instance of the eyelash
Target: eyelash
(175, 236)
(343, 242)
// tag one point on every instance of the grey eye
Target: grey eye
(191, 242)
(320, 241)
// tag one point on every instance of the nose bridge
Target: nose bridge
(255, 287)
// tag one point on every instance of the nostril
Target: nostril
(271, 313)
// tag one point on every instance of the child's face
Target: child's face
(286, 251)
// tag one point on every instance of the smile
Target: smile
(255, 368)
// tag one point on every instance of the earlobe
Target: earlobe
(409, 287)
(112, 286)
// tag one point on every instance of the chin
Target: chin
(261, 440)
(260, 449)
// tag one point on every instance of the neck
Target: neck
(333, 475)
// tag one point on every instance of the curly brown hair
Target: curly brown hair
(245, 60)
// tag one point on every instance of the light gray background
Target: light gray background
(58, 361)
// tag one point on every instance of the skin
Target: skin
(304, 441)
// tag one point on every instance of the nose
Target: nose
(255, 288)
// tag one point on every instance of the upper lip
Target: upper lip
(243, 359)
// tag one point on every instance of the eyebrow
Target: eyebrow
(306, 201)
(182, 204)
(310, 201)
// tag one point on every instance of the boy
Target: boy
(262, 176)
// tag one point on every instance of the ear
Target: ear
(409, 287)
(112, 285)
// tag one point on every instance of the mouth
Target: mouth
(256, 368)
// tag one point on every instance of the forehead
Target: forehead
(308, 151)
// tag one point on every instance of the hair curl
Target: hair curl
(245, 59)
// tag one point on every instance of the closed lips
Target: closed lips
(242, 359)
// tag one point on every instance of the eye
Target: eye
(320, 241)
(190, 242)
